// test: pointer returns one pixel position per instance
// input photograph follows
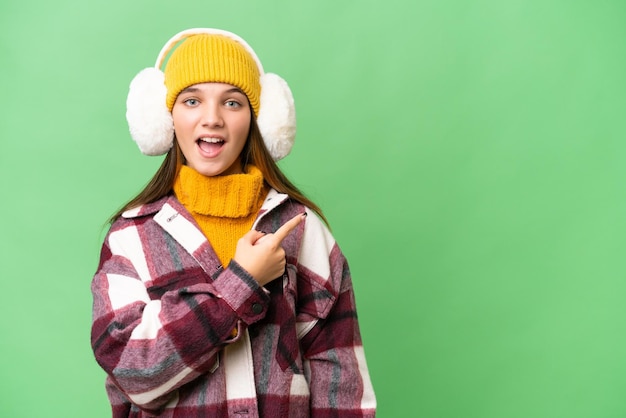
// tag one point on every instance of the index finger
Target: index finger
(282, 232)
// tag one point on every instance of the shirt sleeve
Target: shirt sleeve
(150, 340)
(334, 358)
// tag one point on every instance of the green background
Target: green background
(470, 156)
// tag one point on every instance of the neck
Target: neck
(224, 207)
(232, 196)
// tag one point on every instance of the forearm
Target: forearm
(152, 347)
(340, 384)
(335, 364)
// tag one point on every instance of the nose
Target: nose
(212, 116)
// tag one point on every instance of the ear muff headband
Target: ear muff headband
(150, 121)
(174, 40)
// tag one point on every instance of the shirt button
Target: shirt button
(257, 308)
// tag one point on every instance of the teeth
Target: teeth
(212, 140)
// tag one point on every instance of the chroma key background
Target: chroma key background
(470, 156)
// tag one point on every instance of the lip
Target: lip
(214, 139)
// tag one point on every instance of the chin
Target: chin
(213, 171)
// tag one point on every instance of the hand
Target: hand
(262, 255)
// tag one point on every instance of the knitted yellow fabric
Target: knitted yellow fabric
(224, 207)
(207, 58)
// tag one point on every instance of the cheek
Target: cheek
(182, 119)
(243, 127)
(245, 131)
(179, 121)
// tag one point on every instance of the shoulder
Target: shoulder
(313, 239)
(278, 208)
(145, 209)
(145, 213)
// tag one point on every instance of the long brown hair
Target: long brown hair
(254, 152)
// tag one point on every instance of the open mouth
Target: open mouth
(210, 146)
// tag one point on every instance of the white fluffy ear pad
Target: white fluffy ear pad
(277, 116)
(149, 120)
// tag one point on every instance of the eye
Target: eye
(232, 104)
(191, 102)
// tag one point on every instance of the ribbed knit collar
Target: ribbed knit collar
(232, 196)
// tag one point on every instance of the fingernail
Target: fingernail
(305, 214)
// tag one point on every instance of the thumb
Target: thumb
(252, 236)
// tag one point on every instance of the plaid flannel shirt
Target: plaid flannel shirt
(164, 311)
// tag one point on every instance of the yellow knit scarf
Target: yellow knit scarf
(224, 207)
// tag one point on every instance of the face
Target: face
(212, 121)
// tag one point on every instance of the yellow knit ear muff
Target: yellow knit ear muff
(150, 121)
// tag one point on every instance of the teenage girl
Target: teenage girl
(220, 292)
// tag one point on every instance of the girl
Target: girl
(219, 291)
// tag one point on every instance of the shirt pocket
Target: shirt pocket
(299, 304)
(315, 299)
(281, 315)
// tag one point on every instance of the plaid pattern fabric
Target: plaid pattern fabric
(164, 310)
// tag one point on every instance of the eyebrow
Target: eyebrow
(192, 89)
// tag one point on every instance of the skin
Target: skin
(219, 114)
(214, 113)
(261, 254)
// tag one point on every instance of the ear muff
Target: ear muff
(150, 121)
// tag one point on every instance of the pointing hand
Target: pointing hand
(262, 255)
